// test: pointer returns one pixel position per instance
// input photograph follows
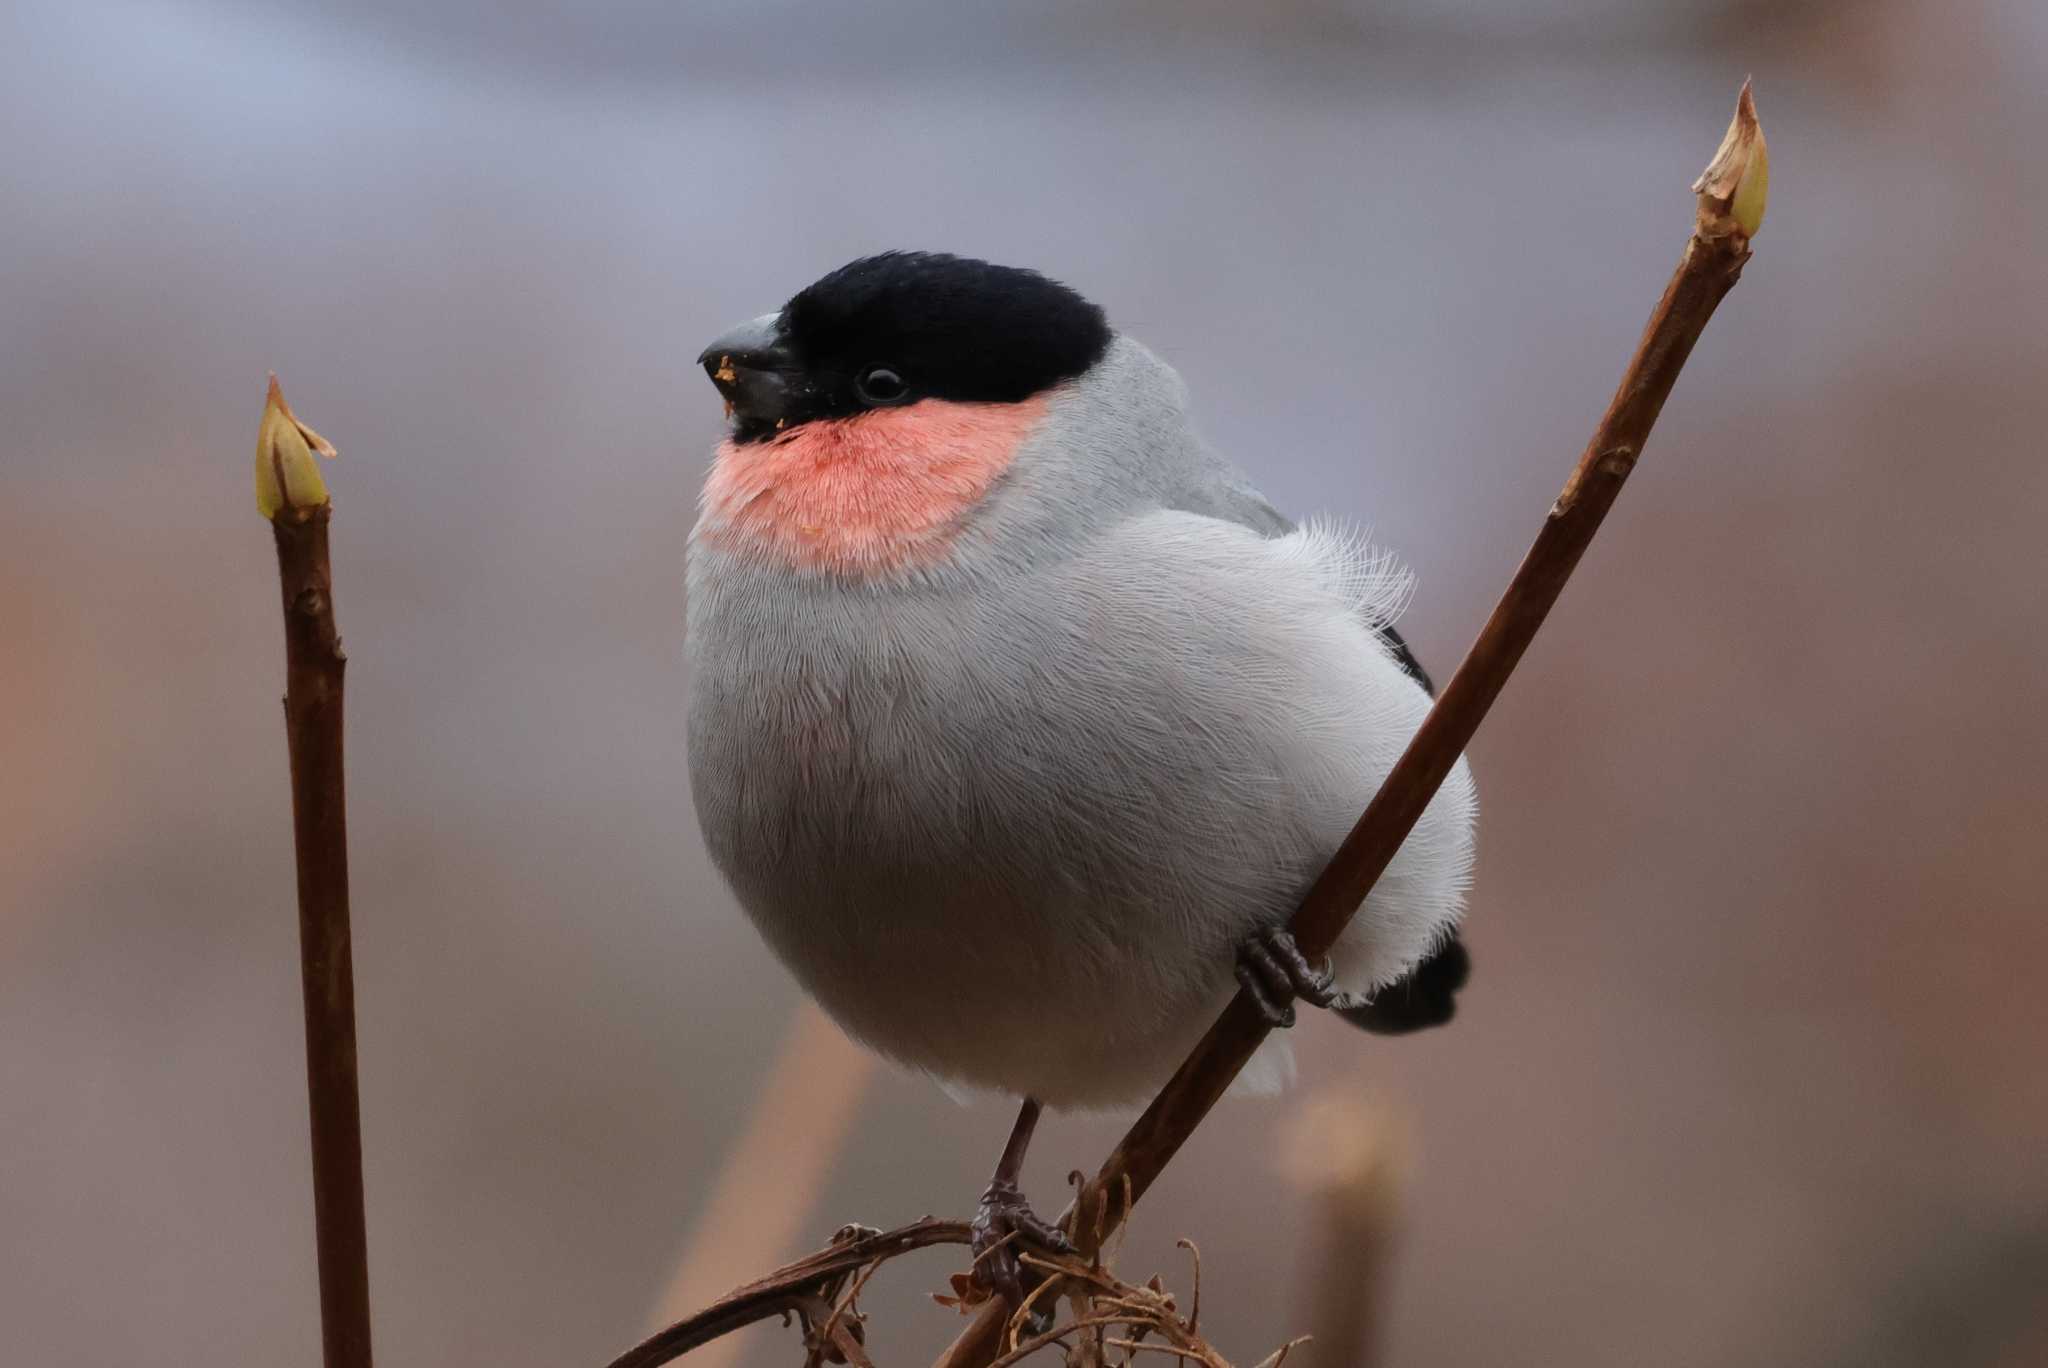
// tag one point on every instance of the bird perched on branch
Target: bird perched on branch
(1019, 721)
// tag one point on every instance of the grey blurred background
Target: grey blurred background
(1754, 1066)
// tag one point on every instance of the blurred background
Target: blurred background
(1754, 1065)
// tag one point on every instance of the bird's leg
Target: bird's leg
(1004, 1218)
(1274, 973)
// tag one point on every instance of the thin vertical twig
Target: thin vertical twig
(290, 493)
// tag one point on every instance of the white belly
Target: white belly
(1015, 840)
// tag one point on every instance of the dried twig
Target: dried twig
(804, 1286)
(290, 493)
(1730, 209)
(1101, 1301)
(1279, 1356)
(832, 1339)
(811, 1289)
(845, 1313)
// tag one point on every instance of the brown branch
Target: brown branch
(804, 1286)
(832, 1338)
(291, 495)
(1730, 209)
(811, 1288)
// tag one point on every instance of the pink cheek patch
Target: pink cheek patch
(869, 495)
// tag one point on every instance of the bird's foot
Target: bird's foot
(1002, 1222)
(1274, 973)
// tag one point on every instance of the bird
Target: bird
(1019, 720)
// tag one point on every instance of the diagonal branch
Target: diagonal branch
(1730, 209)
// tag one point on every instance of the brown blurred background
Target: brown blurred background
(1754, 1067)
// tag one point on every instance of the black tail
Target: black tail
(1407, 659)
(1426, 998)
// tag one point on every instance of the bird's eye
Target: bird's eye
(880, 385)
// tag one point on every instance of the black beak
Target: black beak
(755, 373)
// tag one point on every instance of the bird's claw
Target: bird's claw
(1002, 1222)
(1273, 972)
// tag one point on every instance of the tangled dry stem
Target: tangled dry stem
(822, 1293)
(1098, 1302)
(820, 1290)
